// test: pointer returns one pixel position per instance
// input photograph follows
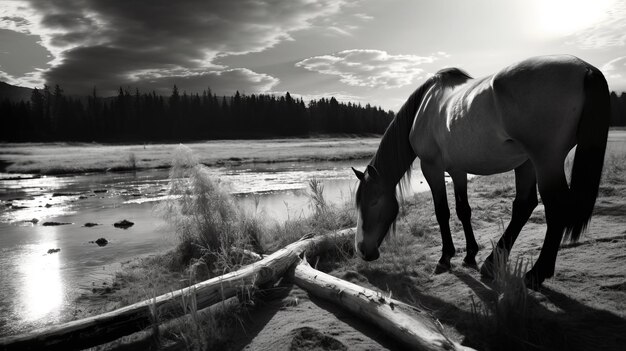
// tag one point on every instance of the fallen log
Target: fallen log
(112, 325)
(414, 327)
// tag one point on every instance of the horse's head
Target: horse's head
(377, 209)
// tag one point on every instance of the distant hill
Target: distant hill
(14, 93)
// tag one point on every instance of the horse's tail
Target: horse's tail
(591, 137)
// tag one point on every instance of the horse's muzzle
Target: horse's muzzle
(367, 255)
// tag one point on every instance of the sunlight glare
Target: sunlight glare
(558, 18)
(43, 288)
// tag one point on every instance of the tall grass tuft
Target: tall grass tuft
(509, 320)
(205, 217)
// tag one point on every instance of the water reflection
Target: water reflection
(39, 273)
(42, 292)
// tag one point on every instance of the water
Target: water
(38, 288)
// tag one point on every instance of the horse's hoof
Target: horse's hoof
(443, 266)
(470, 262)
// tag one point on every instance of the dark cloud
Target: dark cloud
(20, 54)
(111, 43)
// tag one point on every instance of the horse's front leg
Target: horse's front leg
(434, 175)
(464, 212)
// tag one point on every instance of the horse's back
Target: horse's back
(488, 125)
(540, 99)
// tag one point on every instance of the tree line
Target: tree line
(51, 115)
(618, 109)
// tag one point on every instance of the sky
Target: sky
(364, 51)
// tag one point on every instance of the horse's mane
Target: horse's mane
(453, 72)
(395, 155)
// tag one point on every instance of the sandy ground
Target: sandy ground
(59, 158)
(294, 321)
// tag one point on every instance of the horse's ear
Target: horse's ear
(358, 174)
(372, 172)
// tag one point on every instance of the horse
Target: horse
(526, 117)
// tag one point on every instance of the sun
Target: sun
(559, 18)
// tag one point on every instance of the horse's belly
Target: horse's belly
(484, 157)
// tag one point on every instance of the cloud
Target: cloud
(370, 68)
(609, 32)
(112, 42)
(363, 16)
(615, 73)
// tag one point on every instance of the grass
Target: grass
(508, 321)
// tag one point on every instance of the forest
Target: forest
(50, 115)
(618, 109)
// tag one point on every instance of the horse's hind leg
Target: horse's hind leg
(523, 206)
(434, 175)
(464, 212)
(555, 196)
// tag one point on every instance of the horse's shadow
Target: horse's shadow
(571, 326)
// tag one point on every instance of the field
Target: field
(582, 307)
(62, 158)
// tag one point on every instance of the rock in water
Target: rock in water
(63, 193)
(51, 251)
(55, 223)
(123, 224)
(90, 224)
(100, 242)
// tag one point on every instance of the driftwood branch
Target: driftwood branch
(412, 326)
(247, 253)
(112, 325)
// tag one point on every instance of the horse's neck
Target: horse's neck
(395, 154)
